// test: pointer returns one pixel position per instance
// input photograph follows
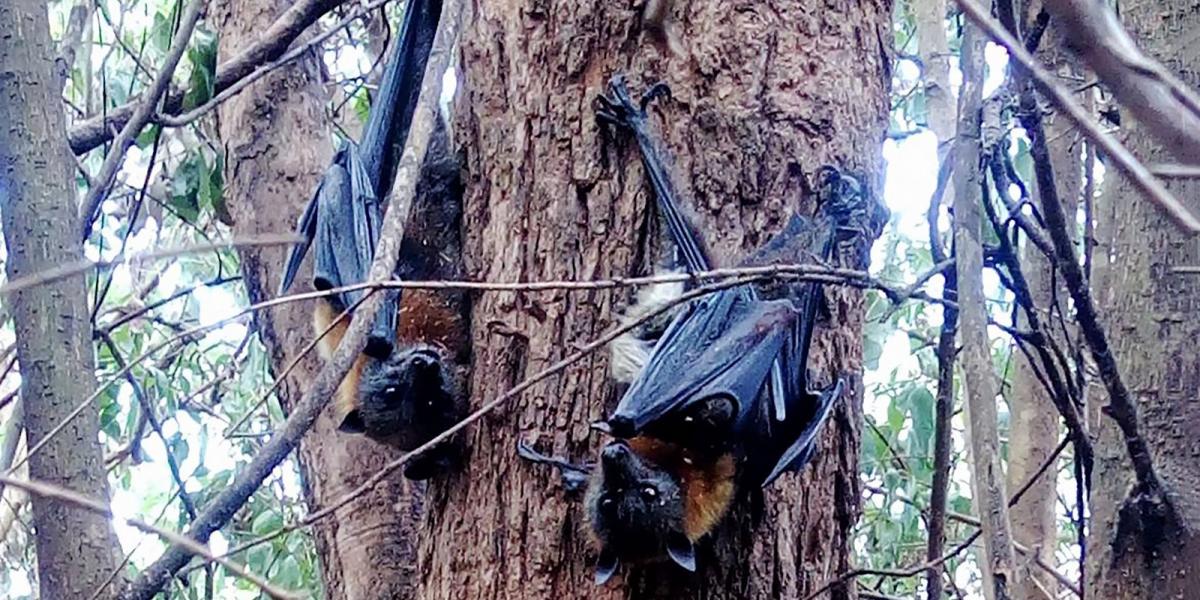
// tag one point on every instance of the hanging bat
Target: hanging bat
(406, 386)
(722, 400)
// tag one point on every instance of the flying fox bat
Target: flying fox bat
(405, 387)
(722, 400)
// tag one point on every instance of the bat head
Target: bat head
(636, 511)
(403, 400)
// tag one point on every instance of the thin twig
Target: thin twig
(148, 410)
(1120, 156)
(83, 266)
(134, 314)
(581, 353)
(141, 115)
(53, 492)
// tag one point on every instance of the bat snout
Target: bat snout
(621, 426)
(615, 456)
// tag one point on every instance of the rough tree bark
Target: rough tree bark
(76, 550)
(765, 92)
(1152, 314)
(277, 144)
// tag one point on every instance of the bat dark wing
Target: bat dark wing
(723, 345)
(732, 344)
(735, 312)
(344, 216)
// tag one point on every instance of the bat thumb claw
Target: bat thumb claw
(602, 427)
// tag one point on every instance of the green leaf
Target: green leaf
(203, 57)
(179, 448)
(148, 135)
(921, 408)
(266, 522)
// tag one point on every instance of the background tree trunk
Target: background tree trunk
(1034, 429)
(76, 550)
(277, 144)
(1152, 314)
(765, 93)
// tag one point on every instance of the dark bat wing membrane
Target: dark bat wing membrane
(343, 218)
(731, 344)
(723, 345)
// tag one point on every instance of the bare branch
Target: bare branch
(141, 115)
(1168, 107)
(89, 134)
(54, 492)
(1121, 157)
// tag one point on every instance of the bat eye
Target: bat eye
(390, 390)
(649, 493)
(606, 502)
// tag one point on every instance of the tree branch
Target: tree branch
(1121, 157)
(1168, 108)
(89, 134)
(103, 180)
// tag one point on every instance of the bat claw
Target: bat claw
(617, 107)
(656, 91)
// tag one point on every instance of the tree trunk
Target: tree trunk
(1151, 313)
(277, 144)
(764, 92)
(76, 550)
(978, 376)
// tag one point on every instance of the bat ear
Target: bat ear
(682, 551)
(606, 566)
(352, 423)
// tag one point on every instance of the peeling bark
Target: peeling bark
(764, 93)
